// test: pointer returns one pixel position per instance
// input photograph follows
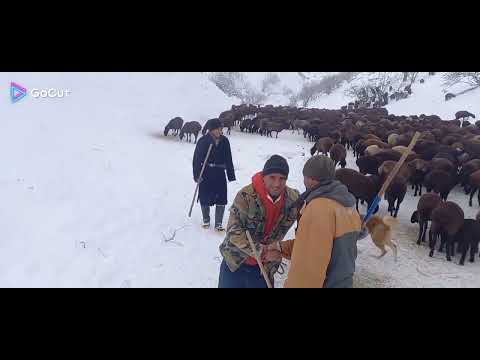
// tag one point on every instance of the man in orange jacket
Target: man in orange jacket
(324, 251)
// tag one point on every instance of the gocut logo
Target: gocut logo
(17, 92)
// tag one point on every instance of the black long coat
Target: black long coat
(213, 188)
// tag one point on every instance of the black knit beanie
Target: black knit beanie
(276, 165)
(214, 124)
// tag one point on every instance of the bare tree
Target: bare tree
(374, 87)
(270, 80)
(231, 83)
(309, 93)
(235, 84)
(412, 77)
(470, 78)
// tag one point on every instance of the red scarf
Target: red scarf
(273, 209)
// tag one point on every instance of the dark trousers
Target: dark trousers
(213, 188)
(245, 277)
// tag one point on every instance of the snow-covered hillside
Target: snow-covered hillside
(427, 98)
(92, 191)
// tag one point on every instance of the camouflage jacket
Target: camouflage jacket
(248, 213)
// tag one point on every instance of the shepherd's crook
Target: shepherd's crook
(390, 178)
(259, 261)
(199, 179)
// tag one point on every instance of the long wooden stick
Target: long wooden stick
(199, 179)
(259, 260)
(399, 164)
(390, 178)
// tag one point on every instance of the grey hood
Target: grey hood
(333, 190)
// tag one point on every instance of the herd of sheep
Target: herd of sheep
(446, 155)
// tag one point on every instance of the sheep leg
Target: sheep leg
(464, 255)
(433, 241)
(472, 194)
(473, 251)
(442, 243)
(420, 231)
(425, 234)
(449, 244)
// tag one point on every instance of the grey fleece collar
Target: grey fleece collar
(333, 190)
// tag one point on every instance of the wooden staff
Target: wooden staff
(390, 178)
(199, 179)
(259, 261)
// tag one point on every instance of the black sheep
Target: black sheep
(423, 214)
(396, 193)
(439, 181)
(175, 124)
(338, 154)
(189, 129)
(468, 238)
(463, 115)
(447, 220)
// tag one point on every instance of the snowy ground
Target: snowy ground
(91, 189)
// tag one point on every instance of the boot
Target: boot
(219, 211)
(206, 216)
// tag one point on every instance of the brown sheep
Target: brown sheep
(447, 220)
(467, 169)
(423, 214)
(392, 139)
(379, 143)
(300, 125)
(419, 169)
(363, 187)
(440, 182)
(403, 140)
(267, 127)
(372, 150)
(189, 129)
(386, 168)
(442, 164)
(323, 145)
(402, 149)
(396, 194)
(338, 154)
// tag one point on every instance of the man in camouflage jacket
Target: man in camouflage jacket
(266, 209)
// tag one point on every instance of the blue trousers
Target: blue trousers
(245, 277)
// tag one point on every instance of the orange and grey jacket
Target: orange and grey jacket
(324, 251)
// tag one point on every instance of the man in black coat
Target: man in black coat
(213, 184)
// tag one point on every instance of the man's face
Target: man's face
(309, 182)
(216, 133)
(275, 184)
